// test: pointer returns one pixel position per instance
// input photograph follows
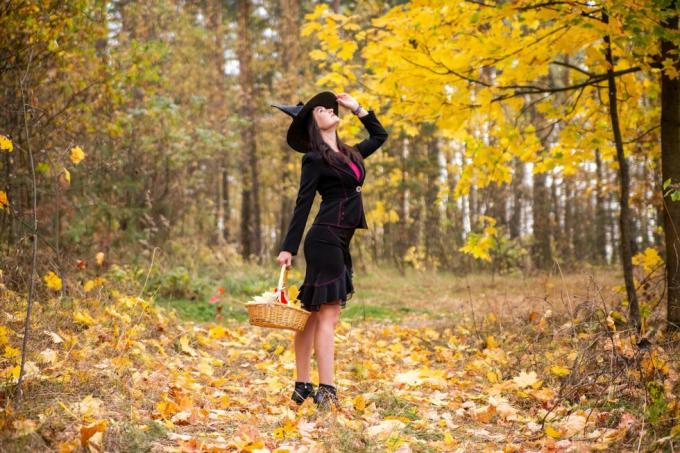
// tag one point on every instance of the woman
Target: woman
(336, 170)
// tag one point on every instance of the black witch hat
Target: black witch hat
(297, 136)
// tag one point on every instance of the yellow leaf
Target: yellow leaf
(77, 155)
(217, 332)
(559, 370)
(359, 403)
(99, 258)
(317, 54)
(205, 368)
(89, 407)
(492, 376)
(552, 432)
(649, 260)
(4, 335)
(83, 317)
(484, 414)
(86, 432)
(90, 284)
(6, 144)
(14, 372)
(675, 431)
(65, 178)
(4, 202)
(184, 345)
(52, 281)
(11, 352)
(167, 408)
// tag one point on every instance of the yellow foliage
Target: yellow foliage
(359, 403)
(83, 317)
(52, 281)
(11, 352)
(91, 284)
(77, 155)
(559, 370)
(6, 144)
(4, 202)
(552, 432)
(415, 257)
(649, 259)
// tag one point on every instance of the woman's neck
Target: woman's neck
(328, 136)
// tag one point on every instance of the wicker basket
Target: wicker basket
(276, 314)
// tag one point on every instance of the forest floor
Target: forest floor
(424, 362)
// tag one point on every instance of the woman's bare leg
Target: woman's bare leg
(304, 341)
(324, 339)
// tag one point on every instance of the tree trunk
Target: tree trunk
(222, 213)
(289, 30)
(600, 248)
(670, 169)
(515, 223)
(624, 184)
(250, 228)
(432, 229)
(571, 230)
(542, 253)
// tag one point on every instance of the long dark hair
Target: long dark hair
(317, 144)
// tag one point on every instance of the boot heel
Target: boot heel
(302, 391)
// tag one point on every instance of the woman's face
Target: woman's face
(325, 118)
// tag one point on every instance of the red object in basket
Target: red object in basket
(283, 297)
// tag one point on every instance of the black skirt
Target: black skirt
(328, 274)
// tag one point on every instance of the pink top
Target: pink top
(356, 169)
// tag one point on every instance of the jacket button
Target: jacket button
(358, 189)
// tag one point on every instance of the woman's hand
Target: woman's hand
(285, 258)
(347, 101)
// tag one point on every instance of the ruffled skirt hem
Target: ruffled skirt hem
(313, 296)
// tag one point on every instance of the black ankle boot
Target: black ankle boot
(302, 391)
(326, 395)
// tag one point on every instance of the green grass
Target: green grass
(199, 310)
(385, 294)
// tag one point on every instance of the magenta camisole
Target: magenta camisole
(356, 169)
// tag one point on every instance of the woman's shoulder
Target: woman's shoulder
(312, 157)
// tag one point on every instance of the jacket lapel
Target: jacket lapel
(345, 168)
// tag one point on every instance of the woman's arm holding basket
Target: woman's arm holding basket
(309, 178)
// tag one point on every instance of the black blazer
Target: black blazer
(341, 203)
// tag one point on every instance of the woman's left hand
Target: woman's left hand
(347, 101)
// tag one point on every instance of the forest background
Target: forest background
(139, 154)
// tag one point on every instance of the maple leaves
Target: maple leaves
(222, 387)
(52, 281)
(6, 144)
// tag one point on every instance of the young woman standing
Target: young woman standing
(336, 170)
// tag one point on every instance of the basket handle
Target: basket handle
(282, 277)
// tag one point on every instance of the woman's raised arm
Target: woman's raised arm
(377, 134)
